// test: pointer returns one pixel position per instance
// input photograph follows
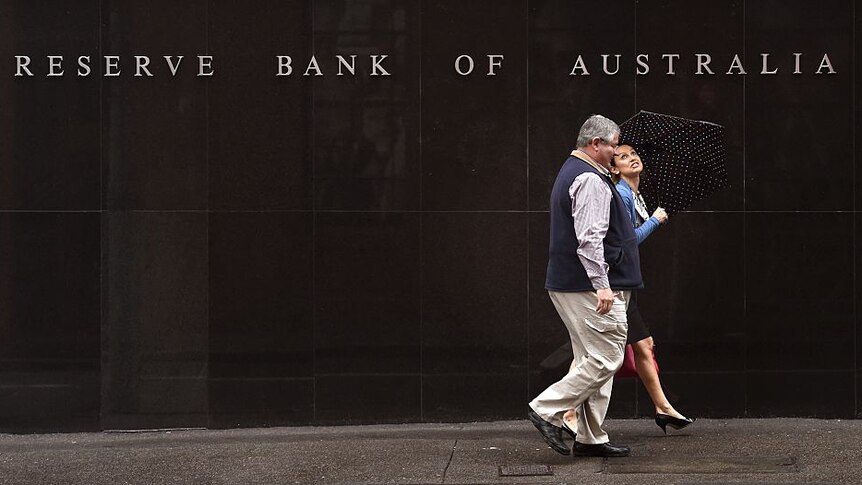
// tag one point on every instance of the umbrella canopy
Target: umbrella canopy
(684, 159)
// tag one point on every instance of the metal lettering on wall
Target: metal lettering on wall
(464, 65)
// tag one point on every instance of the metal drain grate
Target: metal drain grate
(525, 470)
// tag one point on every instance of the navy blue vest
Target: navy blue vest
(565, 271)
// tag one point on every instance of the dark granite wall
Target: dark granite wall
(253, 250)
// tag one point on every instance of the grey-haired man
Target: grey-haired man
(592, 267)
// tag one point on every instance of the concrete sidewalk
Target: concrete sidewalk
(800, 451)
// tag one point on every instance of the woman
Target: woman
(626, 169)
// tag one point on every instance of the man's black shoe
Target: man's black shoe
(604, 449)
(553, 435)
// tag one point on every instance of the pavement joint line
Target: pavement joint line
(451, 455)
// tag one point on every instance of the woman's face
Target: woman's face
(627, 162)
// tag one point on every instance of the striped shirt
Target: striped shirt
(591, 210)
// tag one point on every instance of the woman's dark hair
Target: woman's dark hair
(615, 177)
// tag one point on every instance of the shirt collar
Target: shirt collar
(583, 156)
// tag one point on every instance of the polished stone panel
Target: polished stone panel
(858, 218)
(715, 29)
(474, 127)
(857, 114)
(259, 124)
(366, 123)
(260, 402)
(474, 293)
(771, 394)
(474, 397)
(857, 189)
(366, 287)
(549, 356)
(560, 102)
(858, 413)
(798, 127)
(693, 300)
(49, 321)
(858, 307)
(154, 129)
(154, 320)
(624, 399)
(699, 394)
(792, 260)
(48, 401)
(356, 399)
(265, 250)
(260, 295)
(49, 126)
(49, 302)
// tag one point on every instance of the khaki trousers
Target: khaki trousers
(598, 343)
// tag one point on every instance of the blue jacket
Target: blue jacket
(649, 225)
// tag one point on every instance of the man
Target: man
(592, 268)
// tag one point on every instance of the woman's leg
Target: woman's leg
(643, 350)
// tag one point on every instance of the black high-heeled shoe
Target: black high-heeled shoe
(663, 421)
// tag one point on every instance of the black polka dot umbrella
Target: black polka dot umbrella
(683, 159)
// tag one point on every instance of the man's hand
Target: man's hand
(661, 215)
(606, 300)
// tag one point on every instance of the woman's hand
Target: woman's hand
(661, 215)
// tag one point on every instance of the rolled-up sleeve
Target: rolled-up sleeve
(591, 211)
